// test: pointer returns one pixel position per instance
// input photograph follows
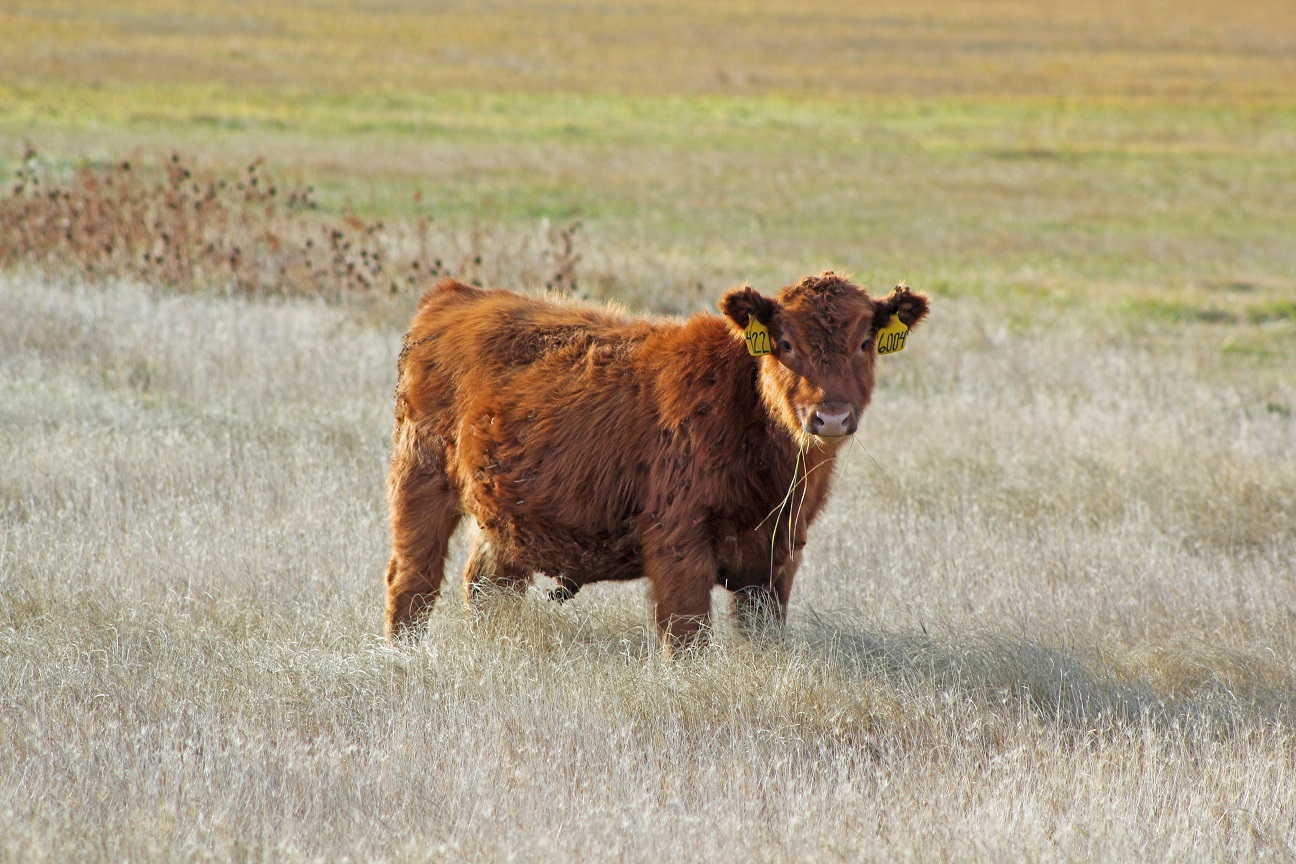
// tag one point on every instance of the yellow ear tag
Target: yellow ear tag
(891, 338)
(757, 337)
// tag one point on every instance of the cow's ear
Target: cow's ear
(739, 304)
(911, 307)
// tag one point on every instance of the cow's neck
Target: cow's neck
(806, 469)
(818, 464)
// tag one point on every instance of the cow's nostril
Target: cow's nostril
(831, 424)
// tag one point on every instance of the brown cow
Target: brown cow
(589, 445)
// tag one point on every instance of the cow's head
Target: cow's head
(819, 376)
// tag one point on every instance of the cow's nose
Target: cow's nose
(832, 419)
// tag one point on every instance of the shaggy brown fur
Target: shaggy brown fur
(588, 445)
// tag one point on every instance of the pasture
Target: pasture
(1050, 613)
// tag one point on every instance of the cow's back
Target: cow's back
(542, 414)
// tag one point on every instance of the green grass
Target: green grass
(1168, 197)
(1064, 148)
(1046, 159)
(1205, 51)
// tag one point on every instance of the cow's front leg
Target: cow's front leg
(758, 607)
(681, 568)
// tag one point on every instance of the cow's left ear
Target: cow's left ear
(739, 304)
(911, 307)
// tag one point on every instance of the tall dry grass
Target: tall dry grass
(1050, 614)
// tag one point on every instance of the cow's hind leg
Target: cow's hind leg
(487, 570)
(424, 514)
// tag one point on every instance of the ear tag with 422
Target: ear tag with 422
(757, 337)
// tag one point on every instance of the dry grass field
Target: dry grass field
(1062, 625)
(1049, 615)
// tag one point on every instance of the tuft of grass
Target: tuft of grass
(1272, 311)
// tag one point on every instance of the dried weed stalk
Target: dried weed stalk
(190, 229)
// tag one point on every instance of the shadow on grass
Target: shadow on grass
(1172, 687)
(834, 658)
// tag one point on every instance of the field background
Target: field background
(1050, 614)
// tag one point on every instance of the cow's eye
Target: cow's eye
(864, 347)
(785, 345)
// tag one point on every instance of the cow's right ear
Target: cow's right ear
(739, 304)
